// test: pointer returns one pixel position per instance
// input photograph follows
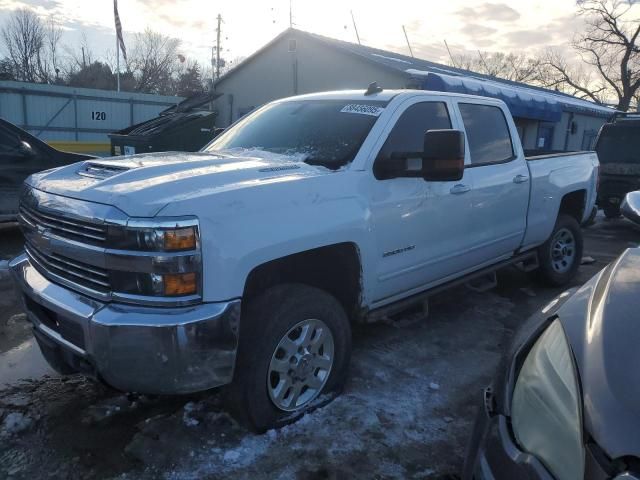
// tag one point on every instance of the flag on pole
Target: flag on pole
(119, 29)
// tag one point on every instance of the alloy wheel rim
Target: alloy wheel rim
(300, 365)
(563, 250)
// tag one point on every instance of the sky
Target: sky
(467, 25)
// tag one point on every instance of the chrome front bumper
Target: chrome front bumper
(132, 348)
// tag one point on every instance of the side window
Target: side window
(9, 142)
(408, 132)
(487, 133)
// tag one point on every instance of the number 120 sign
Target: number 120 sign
(95, 115)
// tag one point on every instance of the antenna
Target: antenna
(290, 14)
(407, 39)
(484, 63)
(353, 19)
(450, 56)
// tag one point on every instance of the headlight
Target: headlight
(162, 238)
(546, 406)
(169, 262)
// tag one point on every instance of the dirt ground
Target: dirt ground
(407, 411)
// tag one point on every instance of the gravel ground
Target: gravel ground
(406, 412)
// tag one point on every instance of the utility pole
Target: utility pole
(407, 39)
(218, 32)
(353, 19)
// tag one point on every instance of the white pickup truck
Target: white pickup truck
(245, 263)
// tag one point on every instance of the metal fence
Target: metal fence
(76, 119)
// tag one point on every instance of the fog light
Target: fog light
(180, 284)
(180, 239)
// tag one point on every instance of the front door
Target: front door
(419, 227)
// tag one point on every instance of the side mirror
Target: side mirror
(630, 207)
(443, 158)
(25, 149)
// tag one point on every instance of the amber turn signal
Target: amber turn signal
(180, 239)
(180, 284)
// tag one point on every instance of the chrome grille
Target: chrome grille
(63, 226)
(73, 271)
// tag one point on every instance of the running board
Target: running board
(526, 261)
(484, 283)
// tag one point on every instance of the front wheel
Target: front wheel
(561, 254)
(295, 346)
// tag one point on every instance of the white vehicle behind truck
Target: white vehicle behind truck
(246, 263)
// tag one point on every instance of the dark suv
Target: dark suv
(618, 148)
(22, 154)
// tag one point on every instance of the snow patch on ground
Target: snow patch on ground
(14, 423)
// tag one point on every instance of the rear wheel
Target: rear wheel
(561, 254)
(295, 346)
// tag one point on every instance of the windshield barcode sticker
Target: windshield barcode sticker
(363, 109)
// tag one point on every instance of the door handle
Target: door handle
(520, 179)
(459, 189)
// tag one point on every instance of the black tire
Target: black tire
(264, 323)
(611, 211)
(550, 274)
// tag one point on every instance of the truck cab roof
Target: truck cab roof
(384, 96)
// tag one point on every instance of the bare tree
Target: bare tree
(24, 37)
(80, 57)
(49, 61)
(33, 46)
(509, 66)
(609, 47)
(154, 62)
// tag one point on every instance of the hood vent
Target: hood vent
(280, 168)
(96, 170)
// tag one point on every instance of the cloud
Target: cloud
(491, 12)
(476, 30)
(553, 33)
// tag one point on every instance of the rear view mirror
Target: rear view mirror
(630, 207)
(443, 158)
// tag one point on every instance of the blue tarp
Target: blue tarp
(521, 103)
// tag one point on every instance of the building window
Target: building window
(293, 45)
(545, 136)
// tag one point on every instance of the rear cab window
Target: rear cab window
(619, 143)
(488, 134)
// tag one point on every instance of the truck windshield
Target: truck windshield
(318, 132)
(619, 144)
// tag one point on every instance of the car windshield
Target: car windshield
(619, 144)
(318, 132)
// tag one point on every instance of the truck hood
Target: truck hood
(141, 185)
(601, 323)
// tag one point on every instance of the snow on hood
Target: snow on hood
(141, 185)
